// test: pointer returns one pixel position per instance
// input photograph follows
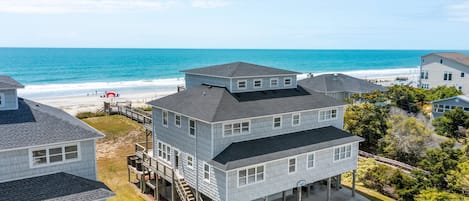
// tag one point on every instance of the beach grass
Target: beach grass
(121, 134)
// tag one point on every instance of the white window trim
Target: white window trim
(343, 159)
(286, 78)
(246, 168)
(296, 165)
(325, 110)
(189, 127)
(241, 131)
(299, 119)
(170, 152)
(167, 118)
(254, 83)
(209, 172)
(31, 164)
(180, 120)
(307, 160)
(447, 76)
(270, 82)
(245, 84)
(190, 166)
(273, 122)
(2, 97)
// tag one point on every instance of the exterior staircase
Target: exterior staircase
(184, 190)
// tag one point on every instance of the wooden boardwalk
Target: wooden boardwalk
(137, 115)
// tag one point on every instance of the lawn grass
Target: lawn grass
(368, 193)
(121, 134)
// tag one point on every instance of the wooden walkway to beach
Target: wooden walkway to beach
(137, 115)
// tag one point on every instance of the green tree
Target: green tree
(441, 92)
(434, 194)
(451, 121)
(458, 179)
(406, 139)
(404, 185)
(368, 121)
(406, 97)
(439, 162)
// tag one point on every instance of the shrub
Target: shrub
(84, 115)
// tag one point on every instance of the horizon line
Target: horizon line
(183, 48)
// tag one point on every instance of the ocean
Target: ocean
(51, 72)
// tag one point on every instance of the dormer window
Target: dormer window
(2, 99)
(273, 82)
(241, 84)
(287, 81)
(258, 83)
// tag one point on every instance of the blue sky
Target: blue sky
(296, 24)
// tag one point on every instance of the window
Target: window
(292, 165)
(164, 152)
(295, 119)
(441, 61)
(237, 128)
(251, 175)
(273, 82)
(448, 76)
(241, 84)
(277, 123)
(424, 75)
(2, 99)
(327, 115)
(190, 161)
(258, 83)
(206, 172)
(343, 152)
(462, 74)
(424, 86)
(287, 81)
(177, 120)
(52, 155)
(192, 127)
(164, 118)
(460, 88)
(439, 108)
(310, 162)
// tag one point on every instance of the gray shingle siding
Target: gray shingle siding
(16, 164)
(197, 80)
(262, 127)
(277, 178)
(10, 99)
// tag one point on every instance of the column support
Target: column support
(173, 188)
(329, 189)
(354, 175)
(157, 191)
(298, 191)
(284, 198)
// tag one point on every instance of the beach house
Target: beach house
(445, 68)
(339, 85)
(44, 152)
(443, 105)
(241, 132)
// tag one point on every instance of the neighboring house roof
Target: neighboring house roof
(56, 187)
(214, 104)
(245, 153)
(239, 69)
(339, 83)
(461, 97)
(454, 56)
(35, 124)
(7, 82)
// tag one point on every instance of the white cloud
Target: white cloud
(209, 3)
(81, 6)
(459, 11)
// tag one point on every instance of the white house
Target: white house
(445, 68)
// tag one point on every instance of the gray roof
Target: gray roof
(239, 69)
(214, 104)
(35, 124)
(461, 97)
(245, 153)
(7, 82)
(454, 56)
(57, 187)
(339, 83)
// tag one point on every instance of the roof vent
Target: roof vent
(335, 74)
(310, 75)
(204, 93)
